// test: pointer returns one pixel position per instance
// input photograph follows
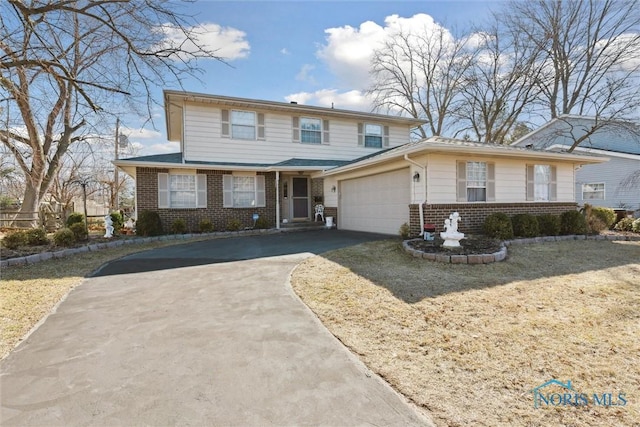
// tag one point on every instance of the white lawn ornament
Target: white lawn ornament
(451, 236)
(108, 226)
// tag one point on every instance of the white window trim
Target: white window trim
(604, 190)
(362, 127)
(531, 183)
(296, 126)
(164, 190)
(461, 182)
(227, 125)
(259, 188)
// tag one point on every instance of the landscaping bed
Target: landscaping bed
(468, 246)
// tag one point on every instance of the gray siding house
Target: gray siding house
(613, 184)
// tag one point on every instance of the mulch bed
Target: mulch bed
(469, 246)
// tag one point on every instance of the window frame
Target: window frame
(317, 132)
(532, 183)
(229, 191)
(462, 187)
(363, 135)
(379, 137)
(604, 190)
(166, 191)
(228, 125)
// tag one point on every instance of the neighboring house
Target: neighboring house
(609, 184)
(241, 157)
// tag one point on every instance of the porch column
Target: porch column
(277, 200)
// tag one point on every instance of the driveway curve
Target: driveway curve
(205, 333)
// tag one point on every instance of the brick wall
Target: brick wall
(147, 192)
(474, 214)
(328, 211)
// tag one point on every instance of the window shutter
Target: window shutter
(361, 134)
(385, 138)
(260, 192)
(227, 191)
(491, 182)
(553, 185)
(225, 124)
(325, 131)
(530, 182)
(261, 126)
(461, 182)
(295, 124)
(201, 191)
(163, 190)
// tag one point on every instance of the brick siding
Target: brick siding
(147, 193)
(474, 214)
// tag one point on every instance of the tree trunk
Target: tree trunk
(28, 215)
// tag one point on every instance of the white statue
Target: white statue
(108, 226)
(455, 218)
(451, 235)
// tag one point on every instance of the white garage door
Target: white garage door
(377, 203)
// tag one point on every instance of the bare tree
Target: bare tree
(500, 85)
(591, 57)
(67, 64)
(421, 74)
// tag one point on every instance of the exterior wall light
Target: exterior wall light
(416, 177)
(333, 189)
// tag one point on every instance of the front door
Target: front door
(300, 197)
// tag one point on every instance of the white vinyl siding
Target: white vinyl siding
(243, 191)
(182, 191)
(205, 138)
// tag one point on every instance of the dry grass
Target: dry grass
(468, 342)
(28, 293)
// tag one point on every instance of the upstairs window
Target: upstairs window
(541, 183)
(238, 124)
(372, 135)
(310, 130)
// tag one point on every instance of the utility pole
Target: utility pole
(116, 203)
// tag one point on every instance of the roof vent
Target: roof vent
(294, 102)
(529, 146)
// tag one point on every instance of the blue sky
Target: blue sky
(313, 52)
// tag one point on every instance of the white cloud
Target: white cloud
(348, 50)
(285, 51)
(225, 42)
(160, 147)
(350, 100)
(304, 75)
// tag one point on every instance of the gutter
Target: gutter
(424, 176)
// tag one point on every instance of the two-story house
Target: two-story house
(243, 157)
(613, 184)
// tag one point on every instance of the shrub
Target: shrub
(525, 225)
(74, 218)
(234, 225)
(149, 224)
(625, 224)
(572, 222)
(179, 226)
(549, 224)
(262, 223)
(404, 231)
(606, 215)
(498, 226)
(635, 227)
(15, 240)
(205, 226)
(118, 221)
(64, 237)
(79, 231)
(36, 237)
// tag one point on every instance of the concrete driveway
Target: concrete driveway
(206, 333)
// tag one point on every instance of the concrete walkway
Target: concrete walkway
(208, 333)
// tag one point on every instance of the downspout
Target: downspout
(420, 206)
(277, 200)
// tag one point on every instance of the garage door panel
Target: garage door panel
(376, 203)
